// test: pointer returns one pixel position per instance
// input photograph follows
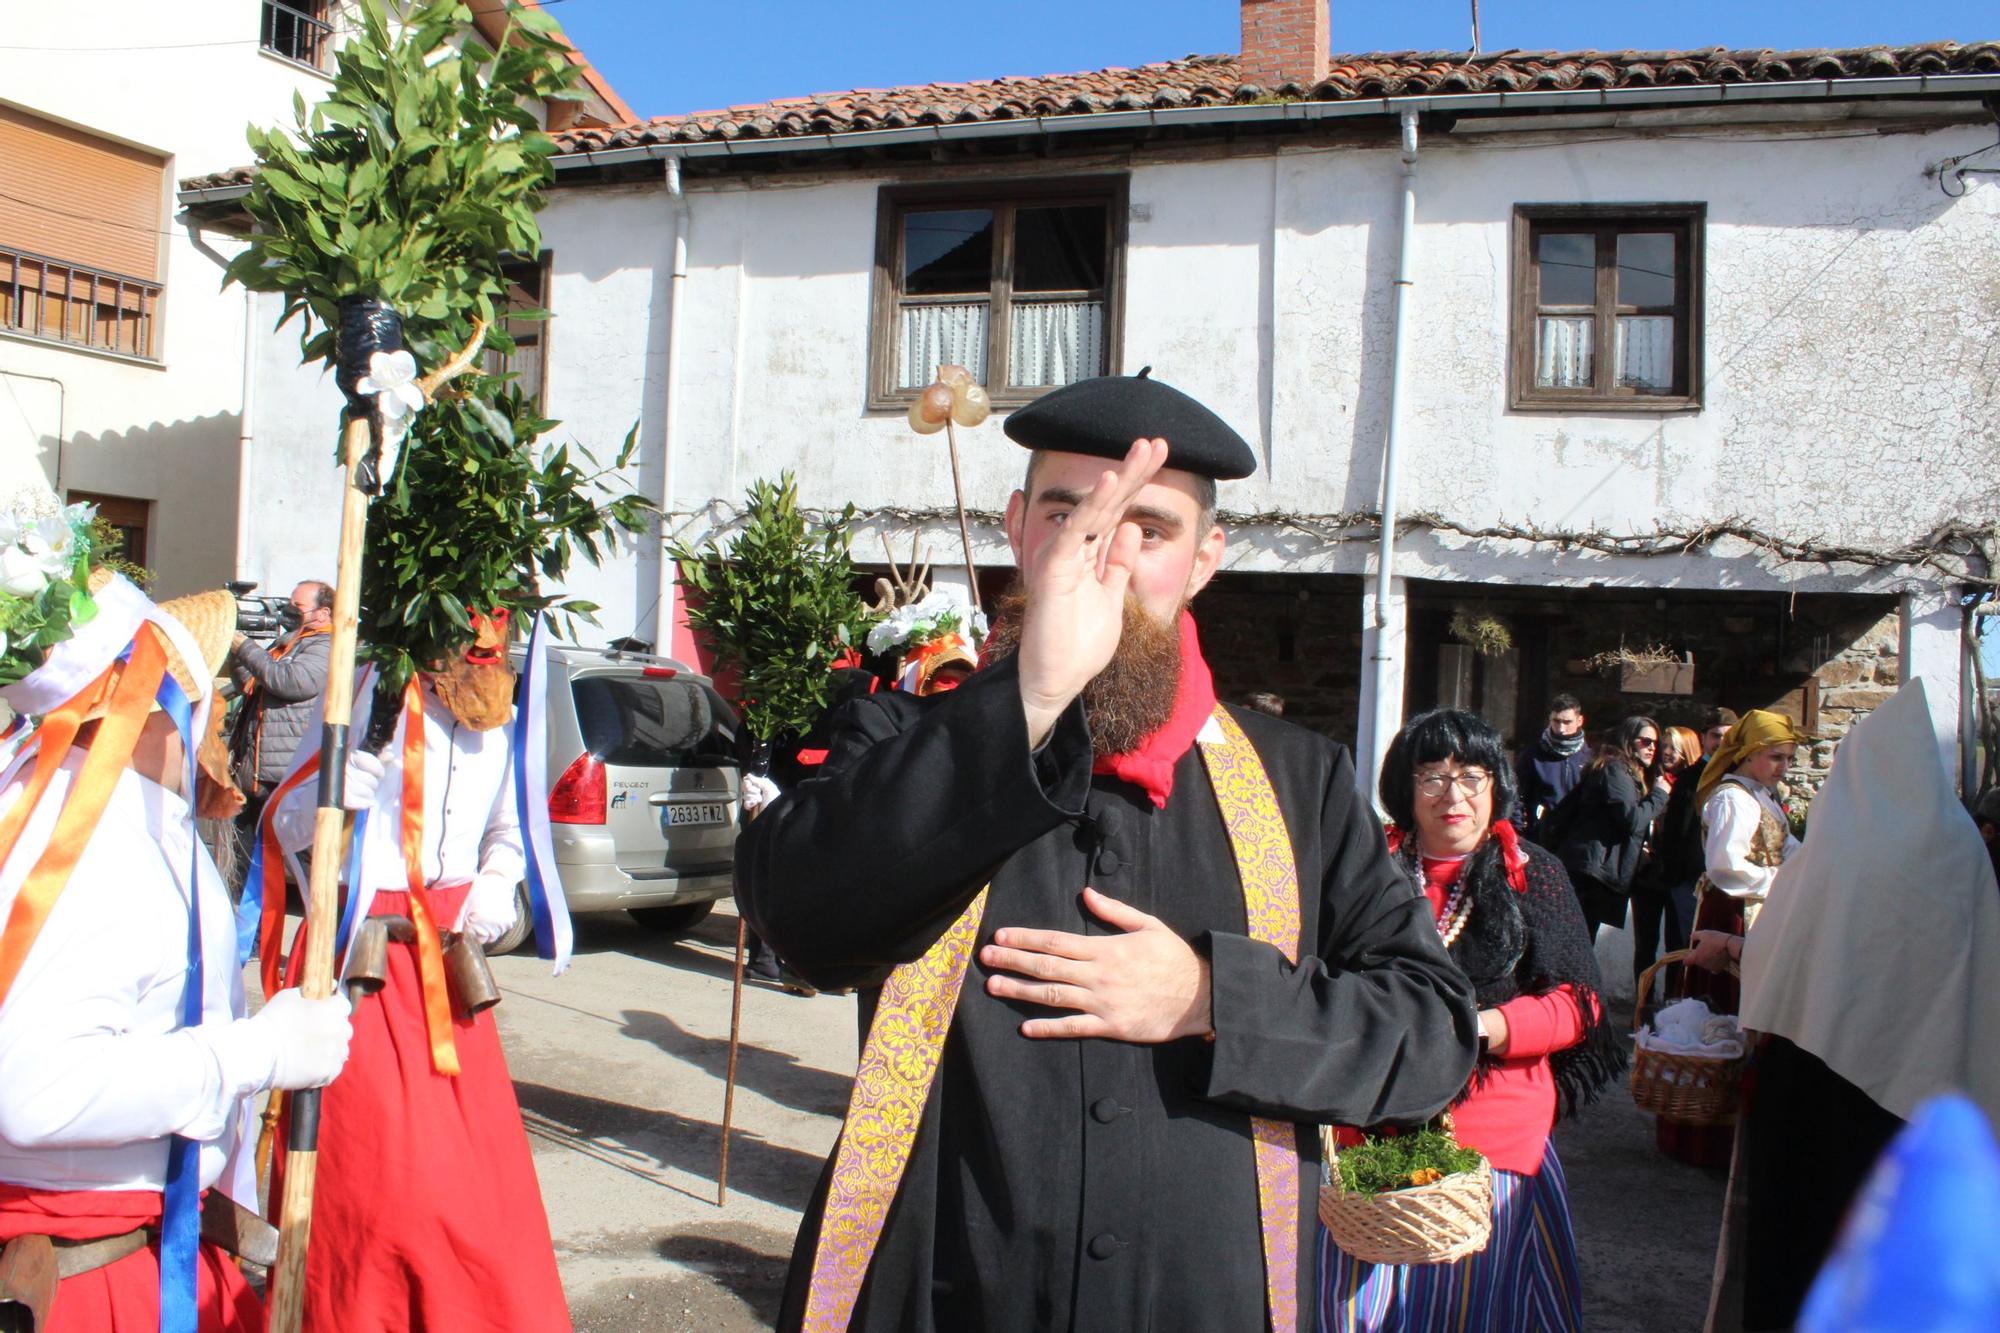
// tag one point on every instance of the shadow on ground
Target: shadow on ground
(647, 1141)
(775, 1074)
(733, 1279)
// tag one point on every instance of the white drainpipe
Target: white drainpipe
(1382, 687)
(663, 602)
(246, 436)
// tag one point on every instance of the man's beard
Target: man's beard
(1132, 697)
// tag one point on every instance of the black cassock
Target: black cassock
(1099, 1185)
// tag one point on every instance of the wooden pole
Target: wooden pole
(958, 498)
(287, 1292)
(729, 1080)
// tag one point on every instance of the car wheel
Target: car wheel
(517, 934)
(672, 920)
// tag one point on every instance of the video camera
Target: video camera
(262, 618)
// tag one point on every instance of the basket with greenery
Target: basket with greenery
(1419, 1197)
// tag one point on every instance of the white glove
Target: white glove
(490, 909)
(364, 775)
(758, 792)
(308, 1038)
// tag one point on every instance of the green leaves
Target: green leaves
(414, 177)
(475, 517)
(777, 605)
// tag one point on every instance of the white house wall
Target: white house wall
(1850, 312)
(180, 80)
(1849, 397)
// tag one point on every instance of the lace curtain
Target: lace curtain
(941, 335)
(1057, 342)
(1565, 352)
(1646, 352)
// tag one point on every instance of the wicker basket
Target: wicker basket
(1437, 1223)
(1686, 1089)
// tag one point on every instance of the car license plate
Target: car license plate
(707, 812)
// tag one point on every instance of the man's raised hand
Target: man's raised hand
(1076, 587)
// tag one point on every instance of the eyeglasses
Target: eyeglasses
(1472, 782)
(1646, 743)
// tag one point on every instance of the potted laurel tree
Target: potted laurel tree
(777, 605)
(1415, 1197)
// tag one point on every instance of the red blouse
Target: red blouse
(1510, 1112)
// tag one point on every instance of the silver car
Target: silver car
(643, 785)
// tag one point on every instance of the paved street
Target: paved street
(619, 1065)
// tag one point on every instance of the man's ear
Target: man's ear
(1207, 559)
(1017, 524)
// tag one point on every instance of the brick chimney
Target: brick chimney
(1285, 41)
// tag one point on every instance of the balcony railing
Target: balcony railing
(67, 303)
(297, 34)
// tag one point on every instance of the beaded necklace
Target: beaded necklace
(1451, 921)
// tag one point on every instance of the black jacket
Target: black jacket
(1095, 1184)
(1606, 836)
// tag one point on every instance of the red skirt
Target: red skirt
(123, 1297)
(426, 1210)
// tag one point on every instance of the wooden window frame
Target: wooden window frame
(1003, 197)
(492, 362)
(1607, 221)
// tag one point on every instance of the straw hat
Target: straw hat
(210, 620)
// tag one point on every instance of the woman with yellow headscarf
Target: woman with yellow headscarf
(1746, 836)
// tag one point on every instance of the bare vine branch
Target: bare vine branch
(1959, 552)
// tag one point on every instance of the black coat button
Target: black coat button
(1107, 862)
(1102, 1246)
(1105, 1110)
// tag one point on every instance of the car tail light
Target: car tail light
(579, 795)
(659, 673)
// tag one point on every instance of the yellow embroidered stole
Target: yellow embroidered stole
(905, 1045)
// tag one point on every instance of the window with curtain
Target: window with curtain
(1017, 284)
(1607, 307)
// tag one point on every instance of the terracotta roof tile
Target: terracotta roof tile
(1199, 81)
(1216, 81)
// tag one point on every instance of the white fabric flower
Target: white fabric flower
(21, 573)
(392, 378)
(52, 542)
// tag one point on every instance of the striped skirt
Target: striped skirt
(1524, 1281)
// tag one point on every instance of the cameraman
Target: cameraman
(279, 686)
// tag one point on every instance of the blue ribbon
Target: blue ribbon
(180, 1218)
(539, 910)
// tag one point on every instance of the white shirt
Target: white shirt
(1729, 822)
(472, 824)
(95, 1069)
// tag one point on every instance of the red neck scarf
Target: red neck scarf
(1151, 766)
(1511, 855)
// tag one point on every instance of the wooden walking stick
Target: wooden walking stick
(302, 1143)
(365, 474)
(729, 1080)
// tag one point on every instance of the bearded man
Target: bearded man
(427, 1213)
(1120, 949)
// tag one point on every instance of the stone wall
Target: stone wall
(1296, 635)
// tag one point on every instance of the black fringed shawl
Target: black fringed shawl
(1530, 944)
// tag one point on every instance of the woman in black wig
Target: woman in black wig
(1510, 919)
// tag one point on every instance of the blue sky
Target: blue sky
(667, 56)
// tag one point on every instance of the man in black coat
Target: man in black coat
(1084, 1156)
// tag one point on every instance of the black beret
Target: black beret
(1101, 417)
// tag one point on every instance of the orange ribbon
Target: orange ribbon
(271, 924)
(430, 950)
(130, 687)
